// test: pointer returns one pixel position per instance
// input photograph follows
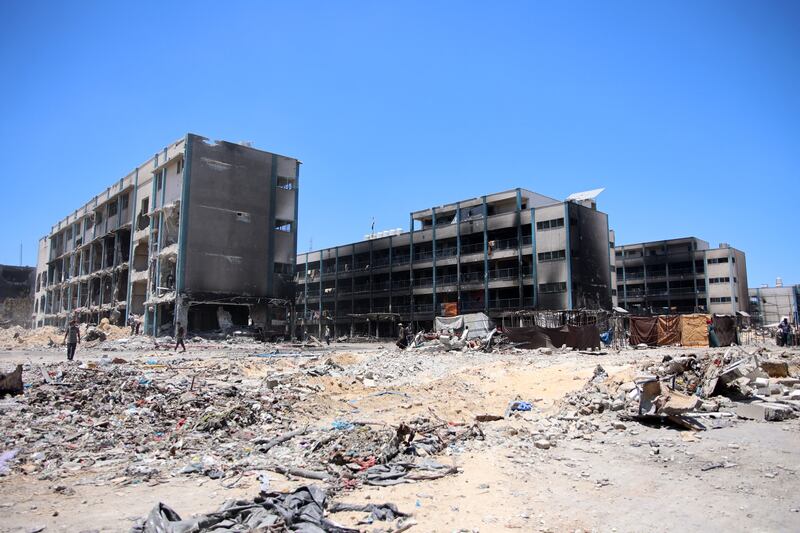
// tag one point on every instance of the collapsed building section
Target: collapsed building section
(16, 294)
(203, 233)
(495, 254)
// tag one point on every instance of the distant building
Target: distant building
(199, 226)
(496, 254)
(768, 305)
(16, 295)
(681, 276)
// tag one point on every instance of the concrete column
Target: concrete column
(519, 250)
(485, 256)
(534, 260)
(411, 269)
(433, 243)
(458, 256)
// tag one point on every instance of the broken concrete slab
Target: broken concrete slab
(770, 411)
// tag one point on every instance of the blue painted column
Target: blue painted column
(336, 294)
(458, 256)
(520, 282)
(485, 256)
(433, 236)
(411, 269)
(321, 273)
(534, 260)
(611, 287)
(305, 296)
(391, 270)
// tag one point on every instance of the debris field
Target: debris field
(237, 435)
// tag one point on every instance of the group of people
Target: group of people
(72, 335)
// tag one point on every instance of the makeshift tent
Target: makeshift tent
(578, 337)
(694, 330)
(725, 326)
(669, 330)
(479, 324)
(644, 330)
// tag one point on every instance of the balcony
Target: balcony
(504, 274)
(510, 303)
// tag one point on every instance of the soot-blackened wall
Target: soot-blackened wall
(591, 270)
(230, 242)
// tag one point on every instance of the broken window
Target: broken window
(283, 225)
(550, 288)
(124, 201)
(285, 183)
(98, 217)
(550, 224)
(556, 255)
(112, 209)
(179, 167)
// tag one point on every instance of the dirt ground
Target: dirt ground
(623, 477)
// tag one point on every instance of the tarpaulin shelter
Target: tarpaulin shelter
(450, 309)
(479, 324)
(644, 330)
(669, 330)
(694, 330)
(578, 337)
(725, 326)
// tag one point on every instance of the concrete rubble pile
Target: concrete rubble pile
(689, 392)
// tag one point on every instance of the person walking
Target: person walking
(72, 337)
(179, 335)
(328, 335)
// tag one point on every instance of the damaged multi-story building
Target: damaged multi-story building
(200, 230)
(497, 254)
(681, 276)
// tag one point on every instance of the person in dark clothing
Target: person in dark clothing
(72, 337)
(328, 335)
(179, 335)
(784, 329)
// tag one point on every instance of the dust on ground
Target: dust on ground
(537, 470)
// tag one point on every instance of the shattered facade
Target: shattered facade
(498, 254)
(681, 275)
(16, 294)
(769, 305)
(200, 229)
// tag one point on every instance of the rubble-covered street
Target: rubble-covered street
(424, 438)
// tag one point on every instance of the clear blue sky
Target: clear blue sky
(687, 112)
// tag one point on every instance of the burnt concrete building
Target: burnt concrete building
(498, 254)
(16, 294)
(199, 229)
(681, 276)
